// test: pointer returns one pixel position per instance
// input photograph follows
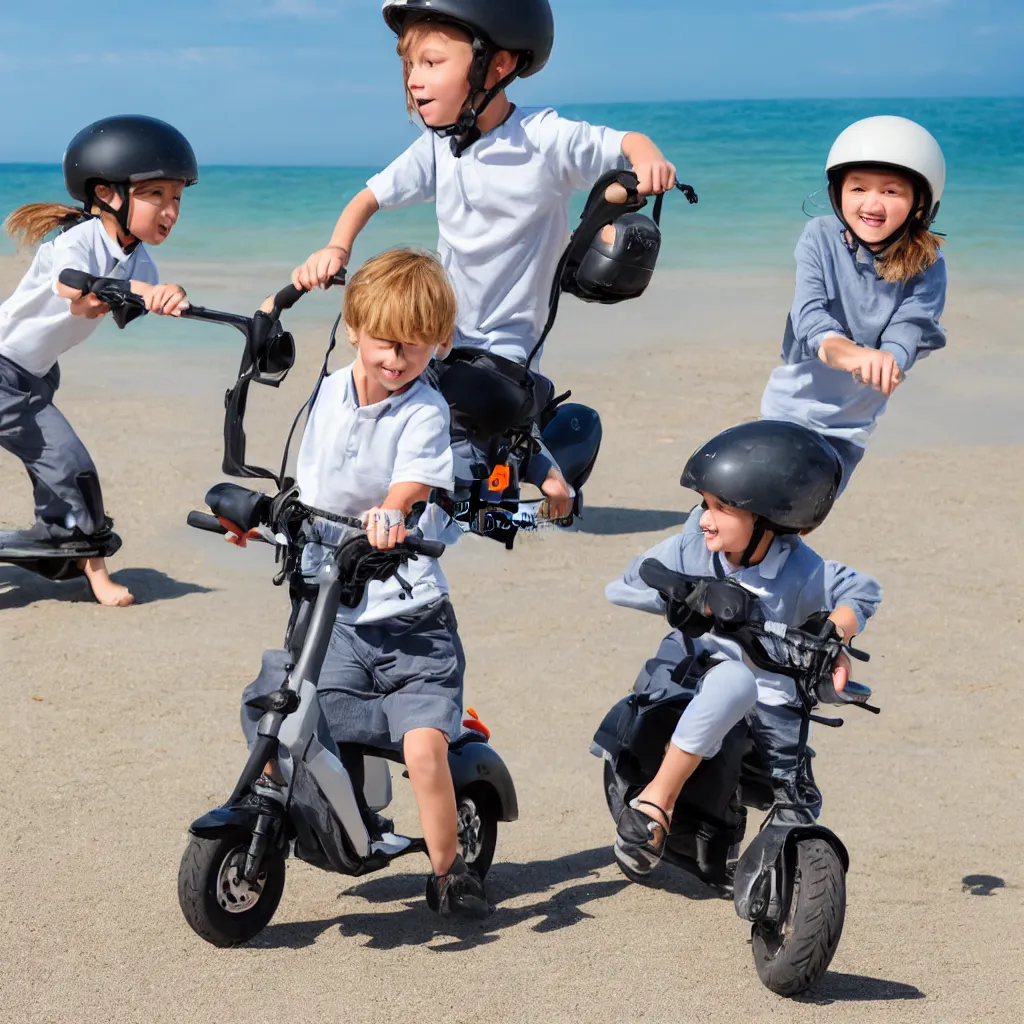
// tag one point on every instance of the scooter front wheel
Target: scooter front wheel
(218, 903)
(790, 957)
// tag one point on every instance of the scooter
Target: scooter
(233, 870)
(790, 882)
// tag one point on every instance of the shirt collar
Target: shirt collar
(771, 565)
(113, 249)
(378, 409)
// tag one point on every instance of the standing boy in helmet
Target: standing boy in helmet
(870, 286)
(501, 176)
(129, 174)
(761, 484)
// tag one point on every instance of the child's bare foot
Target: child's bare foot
(104, 589)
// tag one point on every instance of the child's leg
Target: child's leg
(727, 692)
(104, 589)
(426, 758)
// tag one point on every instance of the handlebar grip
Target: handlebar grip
(421, 546)
(79, 280)
(204, 521)
(287, 297)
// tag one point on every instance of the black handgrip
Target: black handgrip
(79, 280)
(421, 546)
(204, 521)
(287, 297)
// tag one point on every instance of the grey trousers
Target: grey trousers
(34, 429)
(722, 695)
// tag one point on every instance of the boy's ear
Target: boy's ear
(352, 336)
(503, 63)
(442, 350)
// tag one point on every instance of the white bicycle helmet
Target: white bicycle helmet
(888, 141)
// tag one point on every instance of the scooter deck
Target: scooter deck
(33, 553)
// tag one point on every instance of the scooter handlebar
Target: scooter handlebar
(204, 521)
(112, 291)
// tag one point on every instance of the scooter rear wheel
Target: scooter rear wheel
(219, 905)
(792, 956)
(478, 827)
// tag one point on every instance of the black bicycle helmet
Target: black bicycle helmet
(785, 474)
(523, 27)
(120, 151)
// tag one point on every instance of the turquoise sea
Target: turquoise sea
(753, 163)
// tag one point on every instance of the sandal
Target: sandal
(641, 839)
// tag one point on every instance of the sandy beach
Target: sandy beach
(122, 725)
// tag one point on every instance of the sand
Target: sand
(121, 725)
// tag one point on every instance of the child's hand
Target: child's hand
(877, 369)
(655, 176)
(320, 267)
(558, 493)
(385, 527)
(162, 299)
(89, 306)
(841, 673)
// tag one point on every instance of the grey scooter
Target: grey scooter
(233, 870)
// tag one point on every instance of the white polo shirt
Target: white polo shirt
(502, 216)
(36, 324)
(351, 455)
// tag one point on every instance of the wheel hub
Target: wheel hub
(234, 893)
(470, 828)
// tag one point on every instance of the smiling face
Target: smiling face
(876, 203)
(389, 365)
(725, 528)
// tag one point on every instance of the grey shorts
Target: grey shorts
(381, 680)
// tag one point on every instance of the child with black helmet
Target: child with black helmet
(501, 176)
(870, 286)
(762, 483)
(128, 173)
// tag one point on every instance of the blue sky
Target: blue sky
(317, 81)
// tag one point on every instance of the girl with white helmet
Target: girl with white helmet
(870, 286)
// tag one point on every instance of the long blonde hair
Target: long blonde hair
(910, 255)
(31, 223)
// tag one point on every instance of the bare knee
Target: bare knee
(425, 752)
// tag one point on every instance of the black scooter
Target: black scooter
(790, 882)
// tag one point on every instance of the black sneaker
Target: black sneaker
(459, 893)
(640, 841)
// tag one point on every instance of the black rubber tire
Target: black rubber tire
(790, 959)
(197, 890)
(481, 798)
(616, 791)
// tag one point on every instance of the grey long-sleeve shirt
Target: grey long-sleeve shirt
(792, 582)
(838, 291)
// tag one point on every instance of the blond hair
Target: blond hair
(402, 295)
(31, 223)
(415, 29)
(910, 255)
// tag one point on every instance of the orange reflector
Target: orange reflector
(501, 477)
(474, 723)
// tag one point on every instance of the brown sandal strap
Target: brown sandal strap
(649, 803)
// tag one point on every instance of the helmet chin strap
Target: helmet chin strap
(120, 214)
(760, 529)
(466, 130)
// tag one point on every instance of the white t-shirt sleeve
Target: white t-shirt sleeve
(409, 179)
(584, 151)
(79, 248)
(424, 454)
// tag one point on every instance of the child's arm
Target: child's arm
(853, 598)
(407, 180)
(914, 329)
(654, 172)
(423, 462)
(326, 262)
(162, 299)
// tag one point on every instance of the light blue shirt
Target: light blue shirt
(792, 583)
(838, 291)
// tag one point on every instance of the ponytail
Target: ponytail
(910, 255)
(31, 223)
